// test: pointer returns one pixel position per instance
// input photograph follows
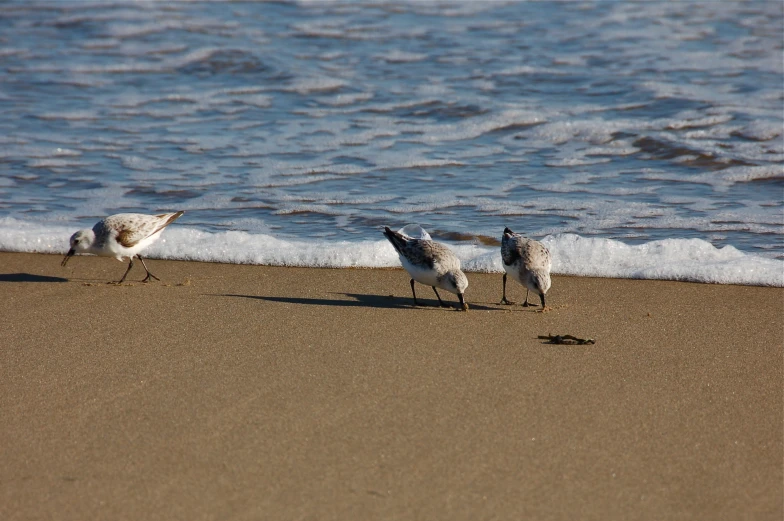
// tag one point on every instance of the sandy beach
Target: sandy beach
(248, 392)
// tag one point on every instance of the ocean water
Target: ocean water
(636, 139)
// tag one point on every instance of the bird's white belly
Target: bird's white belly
(144, 243)
(513, 270)
(518, 273)
(112, 248)
(421, 274)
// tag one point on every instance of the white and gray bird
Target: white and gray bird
(430, 263)
(121, 235)
(528, 262)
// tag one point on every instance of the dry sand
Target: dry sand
(247, 392)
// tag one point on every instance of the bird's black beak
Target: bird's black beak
(463, 303)
(67, 256)
(541, 296)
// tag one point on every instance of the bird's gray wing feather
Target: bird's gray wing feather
(128, 229)
(535, 255)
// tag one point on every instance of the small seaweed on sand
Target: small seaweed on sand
(567, 340)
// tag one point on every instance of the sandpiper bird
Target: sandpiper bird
(121, 235)
(430, 263)
(528, 262)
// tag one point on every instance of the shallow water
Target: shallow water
(321, 122)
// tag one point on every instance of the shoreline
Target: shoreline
(675, 259)
(244, 392)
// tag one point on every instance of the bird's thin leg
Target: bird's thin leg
(440, 302)
(503, 298)
(130, 265)
(526, 303)
(148, 271)
(413, 292)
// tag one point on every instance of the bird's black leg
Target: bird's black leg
(413, 292)
(526, 303)
(130, 265)
(541, 296)
(503, 298)
(148, 271)
(440, 302)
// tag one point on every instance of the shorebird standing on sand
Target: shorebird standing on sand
(121, 235)
(431, 264)
(528, 262)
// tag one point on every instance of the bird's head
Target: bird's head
(456, 281)
(80, 242)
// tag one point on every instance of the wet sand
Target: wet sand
(250, 392)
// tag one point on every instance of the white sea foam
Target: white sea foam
(723, 179)
(693, 260)
(320, 84)
(672, 259)
(415, 231)
(761, 130)
(398, 56)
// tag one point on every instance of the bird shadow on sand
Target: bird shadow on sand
(29, 277)
(375, 301)
(361, 300)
